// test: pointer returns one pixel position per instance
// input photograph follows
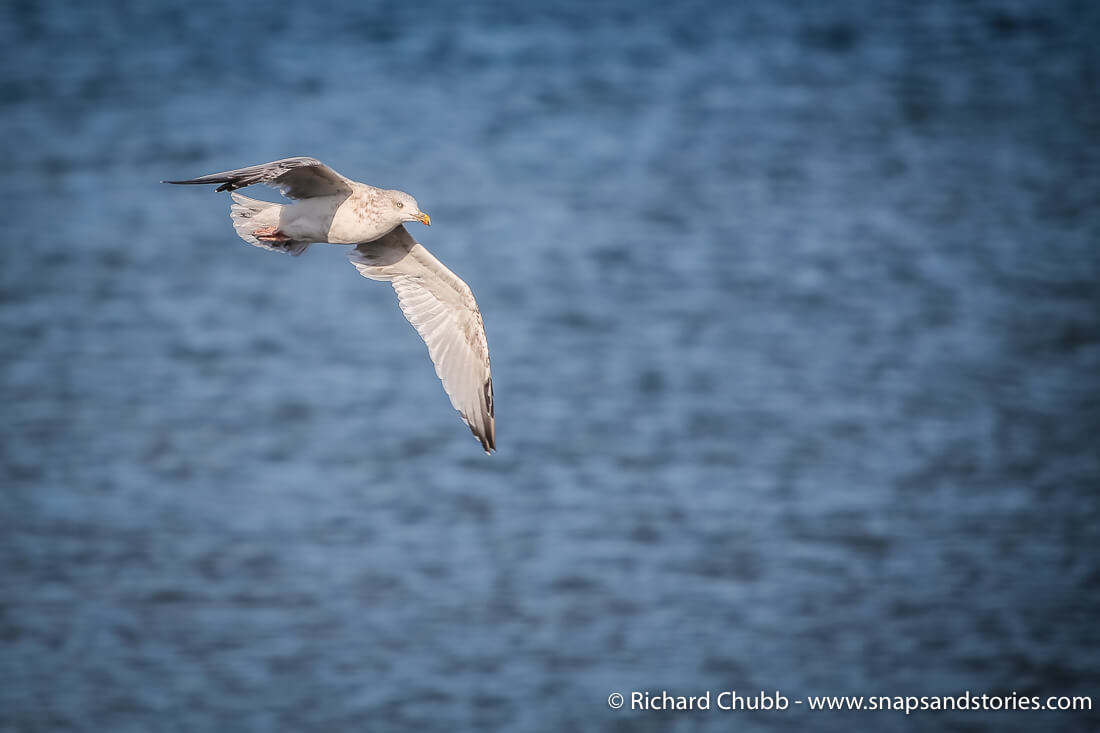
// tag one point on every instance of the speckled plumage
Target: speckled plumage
(329, 208)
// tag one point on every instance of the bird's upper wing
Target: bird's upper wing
(297, 178)
(443, 310)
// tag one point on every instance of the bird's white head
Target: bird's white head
(405, 208)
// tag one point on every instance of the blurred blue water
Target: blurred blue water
(795, 328)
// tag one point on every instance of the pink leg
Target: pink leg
(270, 234)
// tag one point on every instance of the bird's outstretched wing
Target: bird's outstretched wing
(297, 178)
(443, 310)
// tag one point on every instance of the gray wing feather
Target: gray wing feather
(297, 178)
(442, 309)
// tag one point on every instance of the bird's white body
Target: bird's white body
(339, 219)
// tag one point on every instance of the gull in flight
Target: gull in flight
(327, 207)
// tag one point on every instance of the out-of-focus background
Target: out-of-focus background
(795, 326)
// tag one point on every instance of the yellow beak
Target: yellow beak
(424, 219)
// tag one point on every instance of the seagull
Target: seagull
(329, 208)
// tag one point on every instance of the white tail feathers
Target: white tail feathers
(249, 215)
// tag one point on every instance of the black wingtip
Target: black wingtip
(488, 441)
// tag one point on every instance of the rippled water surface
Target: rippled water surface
(795, 326)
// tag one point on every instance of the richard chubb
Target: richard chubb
(725, 700)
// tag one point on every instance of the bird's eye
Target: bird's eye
(400, 205)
